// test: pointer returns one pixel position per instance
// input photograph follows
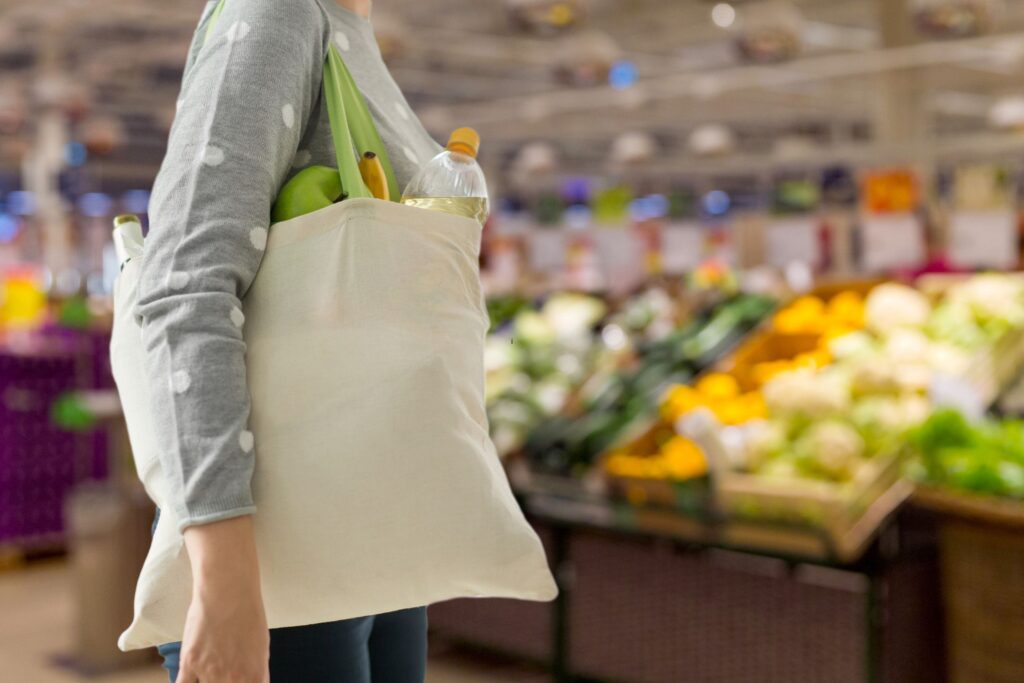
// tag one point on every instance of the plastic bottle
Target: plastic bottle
(452, 181)
(127, 238)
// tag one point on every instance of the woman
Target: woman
(250, 116)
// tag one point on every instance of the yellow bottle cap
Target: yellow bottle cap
(465, 141)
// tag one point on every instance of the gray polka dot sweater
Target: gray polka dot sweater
(250, 115)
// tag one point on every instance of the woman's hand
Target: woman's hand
(226, 638)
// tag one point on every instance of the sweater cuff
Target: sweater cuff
(226, 510)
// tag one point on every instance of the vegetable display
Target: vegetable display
(838, 381)
(985, 457)
(620, 399)
(826, 422)
(535, 358)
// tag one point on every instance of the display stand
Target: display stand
(652, 597)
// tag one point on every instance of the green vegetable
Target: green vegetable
(987, 457)
(617, 401)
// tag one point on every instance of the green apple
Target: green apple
(309, 190)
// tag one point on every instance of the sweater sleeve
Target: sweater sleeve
(245, 100)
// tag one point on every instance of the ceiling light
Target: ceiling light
(723, 14)
(1007, 112)
(712, 139)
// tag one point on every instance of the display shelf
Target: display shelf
(787, 541)
(971, 506)
(667, 560)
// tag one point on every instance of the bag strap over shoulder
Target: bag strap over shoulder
(352, 126)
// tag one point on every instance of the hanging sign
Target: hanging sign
(621, 255)
(792, 240)
(682, 247)
(890, 241)
(889, 191)
(983, 239)
(547, 250)
(892, 235)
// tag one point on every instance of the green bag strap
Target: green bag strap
(341, 130)
(349, 107)
(352, 126)
(214, 16)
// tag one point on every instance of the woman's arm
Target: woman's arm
(244, 103)
(226, 637)
(246, 97)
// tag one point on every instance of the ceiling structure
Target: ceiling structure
(462, 62)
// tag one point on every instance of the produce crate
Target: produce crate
(689, 497)
(991, 371)
(692, 497)
(768, 344)
(982, 559)
(764, 345)
(846, 515)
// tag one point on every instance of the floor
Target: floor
(36, 612)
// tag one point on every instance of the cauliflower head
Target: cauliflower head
(892, 306)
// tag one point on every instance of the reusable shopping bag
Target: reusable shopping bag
(376, 483)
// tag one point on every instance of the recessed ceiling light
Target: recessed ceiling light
(723, 14)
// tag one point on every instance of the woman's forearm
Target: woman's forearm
(223, 557)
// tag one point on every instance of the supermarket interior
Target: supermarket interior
(755, 364)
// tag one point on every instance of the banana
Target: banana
(373, 175)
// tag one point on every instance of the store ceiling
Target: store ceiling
(463, 62)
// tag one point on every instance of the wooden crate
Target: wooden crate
(690, 497)
(833, 507)
(768, 344)
(845, 515)
(764, 345)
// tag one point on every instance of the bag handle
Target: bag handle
(352, 127)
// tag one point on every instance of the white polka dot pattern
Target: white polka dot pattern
(178, 279)
(237, 317)
(341, 40)
(246, 440)
(288, 114)
(213, 156)
(302, 158)
(258, 237)
(237, 31)
(181, 381)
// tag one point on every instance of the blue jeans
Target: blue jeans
(381, 648)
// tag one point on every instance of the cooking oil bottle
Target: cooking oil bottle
(452, 181)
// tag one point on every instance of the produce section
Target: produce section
(754, 274)
(803, 415)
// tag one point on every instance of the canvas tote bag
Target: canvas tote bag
(376, 483)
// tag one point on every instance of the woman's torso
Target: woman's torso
(406, 141)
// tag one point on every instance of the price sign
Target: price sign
(547, 250)
(682, 247)
(792, 240)
(891, 241)
(621, 255)
(983, 239)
